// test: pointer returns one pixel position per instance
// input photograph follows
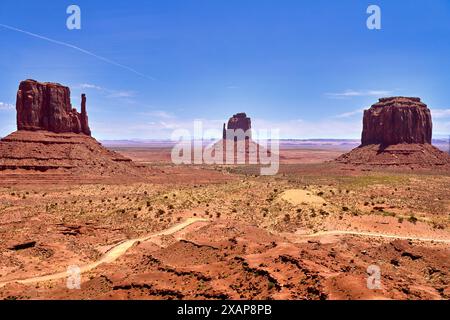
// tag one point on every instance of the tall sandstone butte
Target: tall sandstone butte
(53, 137)
(397, 120)
(47, 106)
(239, 121)
(397, 131)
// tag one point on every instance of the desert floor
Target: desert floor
(224, 232)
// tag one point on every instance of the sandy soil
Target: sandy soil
(197, 232)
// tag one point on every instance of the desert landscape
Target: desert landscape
(139, 227)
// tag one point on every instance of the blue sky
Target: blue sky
(305, 67)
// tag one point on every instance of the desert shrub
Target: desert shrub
(412, 219)
(389, 214)
(271, 285)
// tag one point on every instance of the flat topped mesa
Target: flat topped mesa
(236, 122)
(47, 106)
(397, 132)
(397, 120)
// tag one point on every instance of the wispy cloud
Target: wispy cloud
(441, 128)
(71, 46)
(6, 106)
(359, 93)
(440, 113)
(159, 114)
(108, 92)
(90, 86)
(122, 94)
(350, 114)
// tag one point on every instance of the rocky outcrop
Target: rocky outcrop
(53, 139)
(47, 106)
(397, 120)
(83, 117)
(236, 122)
(397, 131)
(237, 145)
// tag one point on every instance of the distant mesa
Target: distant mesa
(237, 141)
(239, 121)
(54, 136)
(397, 131)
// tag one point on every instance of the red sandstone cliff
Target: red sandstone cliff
(236, 122)
(46, 106)
(397, 120)
(53, 137)
(397, 131)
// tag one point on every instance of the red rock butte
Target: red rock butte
(239, 121)
(397, 120)
(397, 131)
(245, 150)
(53, 137)
(46, 106)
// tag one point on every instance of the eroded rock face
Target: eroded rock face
(240, 121)
(397, 120)
(397, 132)
(236, 122)
(46, 106)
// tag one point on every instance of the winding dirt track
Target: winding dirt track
(121, 248)
(110, 256)
(371, 235)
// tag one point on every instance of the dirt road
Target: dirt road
(110, 256)
(121, 248)
(372, 235)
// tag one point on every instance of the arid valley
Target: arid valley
(222, 232)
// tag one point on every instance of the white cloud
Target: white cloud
(349, 114)
(6, 106)
(159, 114)
(121, 94)
(359, 93)
(441, 128)
(161, 128)
(108, 92)
(440, 113)
(313, 129)
(90, 86)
